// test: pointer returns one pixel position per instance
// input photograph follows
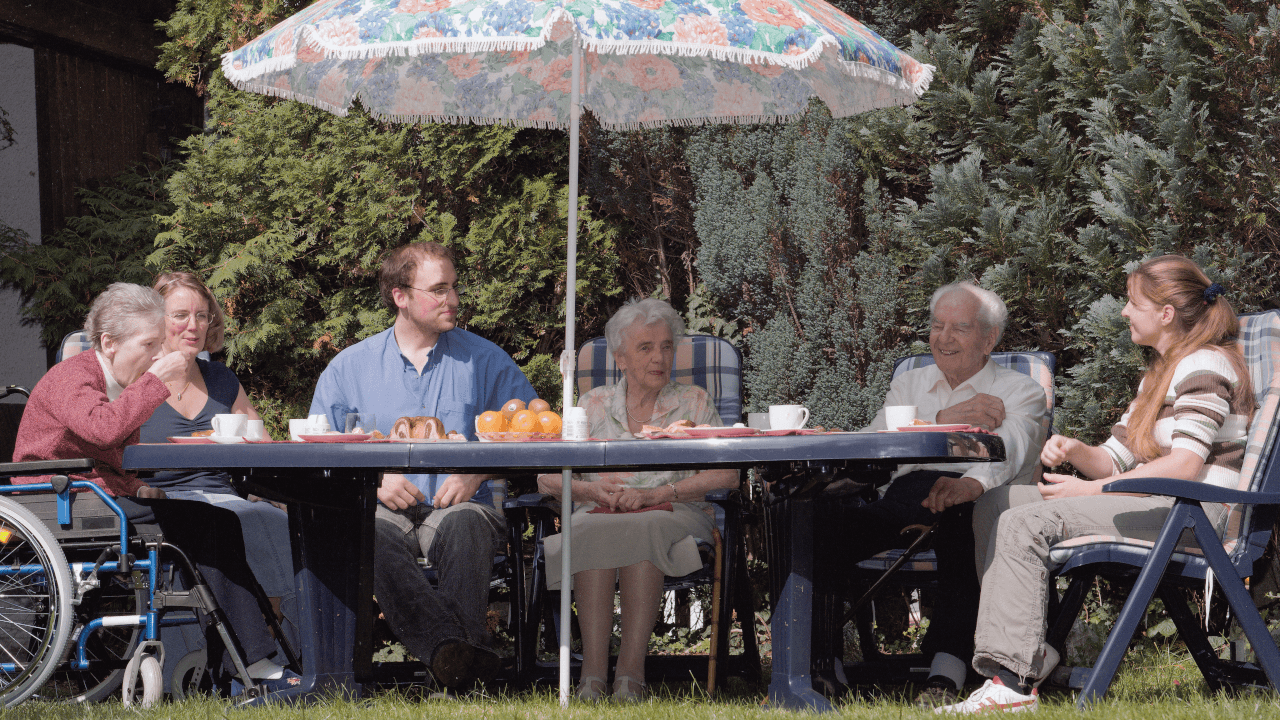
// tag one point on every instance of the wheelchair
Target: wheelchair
(85, 597)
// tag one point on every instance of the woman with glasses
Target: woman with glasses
(194, 323)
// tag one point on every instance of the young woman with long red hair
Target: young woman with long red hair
(1189, 421)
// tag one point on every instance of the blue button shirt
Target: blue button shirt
(464, 375)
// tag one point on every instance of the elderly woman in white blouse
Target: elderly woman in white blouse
(632, 529)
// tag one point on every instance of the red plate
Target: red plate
(719, 432)
(188, 440)
(939, 428)
(793, 431)
(336, 438)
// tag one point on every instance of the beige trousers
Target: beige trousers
(1015, 529)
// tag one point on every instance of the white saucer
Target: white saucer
(230, 439)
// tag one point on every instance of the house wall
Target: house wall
(22, 358)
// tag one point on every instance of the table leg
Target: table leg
(792, 686)
(333, 557)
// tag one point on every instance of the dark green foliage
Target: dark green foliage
(108, 243)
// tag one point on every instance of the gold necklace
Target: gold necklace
(184, 389)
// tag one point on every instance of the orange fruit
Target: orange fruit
(491, 421)
(539, 405)
(523, 421)
(548, 422)
(513, 406)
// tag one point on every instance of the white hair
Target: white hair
(122, 311)
(991, 310)
(647, 311)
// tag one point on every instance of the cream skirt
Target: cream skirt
(666, 539)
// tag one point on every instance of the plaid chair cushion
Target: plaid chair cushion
(73, 344)
(1260, 344)
(709, 362)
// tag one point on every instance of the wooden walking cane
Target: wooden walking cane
(716, 574)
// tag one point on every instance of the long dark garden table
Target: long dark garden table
(331, 492)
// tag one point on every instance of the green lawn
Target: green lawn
(1153, 684)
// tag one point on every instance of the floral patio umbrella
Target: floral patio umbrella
(648, 63)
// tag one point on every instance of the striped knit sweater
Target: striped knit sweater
(1197, 416)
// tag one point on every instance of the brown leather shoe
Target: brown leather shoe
(451, 664)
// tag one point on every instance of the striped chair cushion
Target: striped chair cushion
(1260, 344)
(709, 362)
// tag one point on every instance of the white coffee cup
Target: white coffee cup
(759, 421)
(255, 430)
(229, 424)
(787, 417)
(897, 416)
(317, 424)
(299, 427)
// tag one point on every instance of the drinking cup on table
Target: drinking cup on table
(897, 416)
(318, 424)
(759, 421)
(787, 417)
(229, 424)
(575, 425)
(364, 423)
(299, 427)
(255, 430)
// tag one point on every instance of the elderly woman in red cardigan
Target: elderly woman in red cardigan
(93, 404)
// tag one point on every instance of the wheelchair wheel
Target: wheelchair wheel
(108, 649)
(35, 603)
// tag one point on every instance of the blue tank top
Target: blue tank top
(166, 422)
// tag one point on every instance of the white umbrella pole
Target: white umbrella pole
(570, 311)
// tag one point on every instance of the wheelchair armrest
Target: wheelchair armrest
(46, 467)
(1189, 490)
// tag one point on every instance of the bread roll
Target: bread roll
(418, 428)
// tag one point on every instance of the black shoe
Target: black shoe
(485, 664)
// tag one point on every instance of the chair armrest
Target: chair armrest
(527, 500)
(46, 467)
(723, 496)
(1188, 490)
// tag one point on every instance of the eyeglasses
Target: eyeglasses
(441, 294)
(182, 316)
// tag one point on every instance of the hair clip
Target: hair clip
(1212, 293)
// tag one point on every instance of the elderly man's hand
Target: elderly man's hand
(948, 491)
(397, 493)
(984, 411)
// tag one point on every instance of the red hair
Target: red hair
(1199, 322)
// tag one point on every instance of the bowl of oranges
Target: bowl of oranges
(516, 422)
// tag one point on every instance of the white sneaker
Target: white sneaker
(993, 696)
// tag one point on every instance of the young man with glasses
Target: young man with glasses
(425, 365)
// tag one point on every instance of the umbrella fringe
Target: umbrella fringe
(289, 95)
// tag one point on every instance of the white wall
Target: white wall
(22, 358)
